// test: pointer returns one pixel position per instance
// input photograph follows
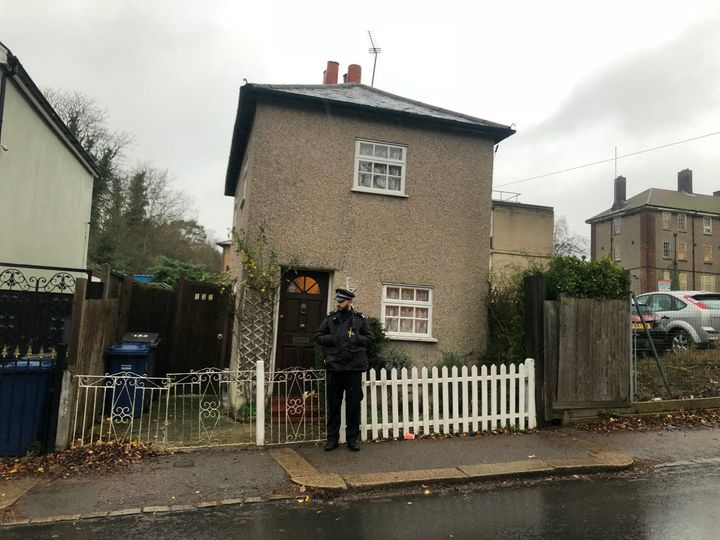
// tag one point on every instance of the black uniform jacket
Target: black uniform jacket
(345, 350)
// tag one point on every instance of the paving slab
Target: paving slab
(215, 474)
(512, 468)
(438, 453)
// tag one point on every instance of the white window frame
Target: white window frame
(667, 220)
(707, 253)
(666, 249)
(682, 222)
(682, 247)
(400, 303)
(616, 252)
(617, 225)
(707, 225)
(402, 163)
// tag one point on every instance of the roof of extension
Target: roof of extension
(348, 96)
(663, 199)
(11, 68)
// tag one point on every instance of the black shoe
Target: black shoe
(353, 446)
(330, 446)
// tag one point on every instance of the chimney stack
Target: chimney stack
(354, 74)
(330, 75)
(685, 181)
(620, 192)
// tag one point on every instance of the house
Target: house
(662, 236)
(520, 234)
(373, 191)
(46, 177)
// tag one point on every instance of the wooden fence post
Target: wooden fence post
(535, 294)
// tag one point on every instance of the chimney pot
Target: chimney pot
(354, 74)
(330, 75)
(620, 192)
(685, 181)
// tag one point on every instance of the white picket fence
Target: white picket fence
(424, 402)
(431, 401)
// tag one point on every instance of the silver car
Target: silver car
(688, 317)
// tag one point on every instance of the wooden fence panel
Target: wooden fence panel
(587, 352)
(96, 333)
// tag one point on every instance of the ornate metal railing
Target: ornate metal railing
(48, 279)
(209, 407)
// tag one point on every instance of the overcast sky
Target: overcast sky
(577, 79)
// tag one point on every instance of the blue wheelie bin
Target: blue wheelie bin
(126, 397)
(24, 390)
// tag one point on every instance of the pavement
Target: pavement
(242, 476)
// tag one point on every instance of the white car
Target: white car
(688, 317)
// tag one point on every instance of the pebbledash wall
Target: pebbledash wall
(297, 179)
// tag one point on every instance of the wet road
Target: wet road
(678, 502)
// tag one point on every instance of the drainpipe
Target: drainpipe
(693, 252)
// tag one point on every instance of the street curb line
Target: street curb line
(174, 508)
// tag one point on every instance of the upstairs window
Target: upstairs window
(682, 222)
(666, 249)
(379, 168)
(617, 224)
(707, 253)
(666, 220)
(407, 311)
(682, 251)
(616, 252)
(707, 225)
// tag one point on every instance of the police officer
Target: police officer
(345, 334)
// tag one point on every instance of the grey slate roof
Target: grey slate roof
(360, 94)
(356, 97)
(664, 199)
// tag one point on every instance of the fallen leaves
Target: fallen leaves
(676, 420)
(98, 457)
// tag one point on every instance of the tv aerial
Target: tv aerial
(375, 51)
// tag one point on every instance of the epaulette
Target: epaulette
(332, 313)
(360, 314)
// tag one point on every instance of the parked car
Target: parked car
(657, 335)
(689, 317)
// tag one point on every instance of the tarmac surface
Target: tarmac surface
(241, 476)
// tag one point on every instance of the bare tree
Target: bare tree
(567, 244)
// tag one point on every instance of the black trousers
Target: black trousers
(349, 383)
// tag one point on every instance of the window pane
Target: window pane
(396, 153)
(365, 179)
(381, 150)
(393, 293)
(391, 325)
(394, 183)
(380, 168)
(406, 311)
(421, 313)
(365, 166)
(366, 149)
(408, 294)
(421, 327)
(423, 295)
(394, 170)
(391, 311)
(406, 325)
(380, 181)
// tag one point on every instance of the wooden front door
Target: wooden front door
(303, 304)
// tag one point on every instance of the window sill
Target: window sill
(396, 337)
(379, 192)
